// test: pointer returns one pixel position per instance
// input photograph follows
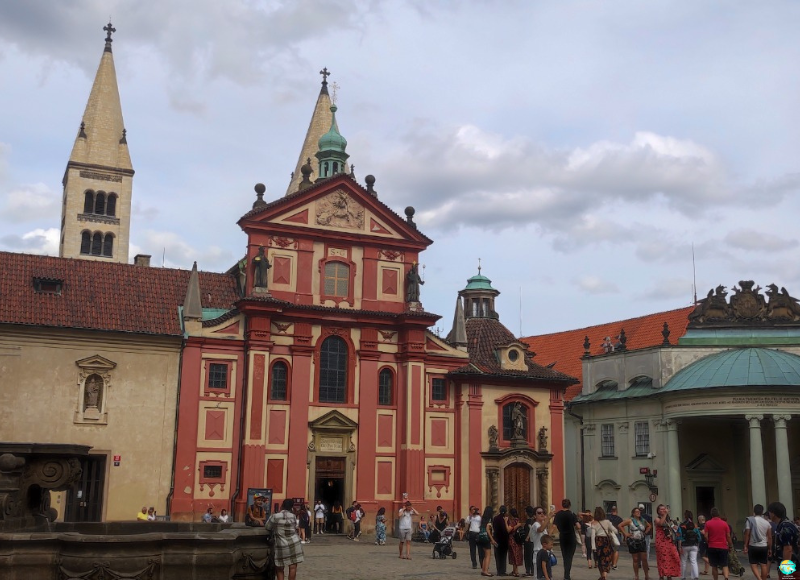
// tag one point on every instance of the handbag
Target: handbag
(553, 559)
(614, 538)
(483, 537)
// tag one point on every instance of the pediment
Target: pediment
(704, 463)
(608, 483)
(333, 421)
(96, 363)
(338, 204)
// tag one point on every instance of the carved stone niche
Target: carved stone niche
(94, 382)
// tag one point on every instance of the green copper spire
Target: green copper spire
(332, 155)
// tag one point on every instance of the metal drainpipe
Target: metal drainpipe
(242, 421)
(171, 493)
(583, 482)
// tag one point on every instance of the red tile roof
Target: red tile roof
(484, 337)
(102, 296)
(565, 349)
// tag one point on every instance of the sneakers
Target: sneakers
(302, 541)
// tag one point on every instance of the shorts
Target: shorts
(405, 535)
(718, 557)
(757, 555)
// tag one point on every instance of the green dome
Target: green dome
(479, 282)
(739, 368)
(332, 140)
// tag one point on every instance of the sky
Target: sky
(581, 149)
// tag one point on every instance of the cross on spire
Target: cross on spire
(479, 265)
(325, 74)
(335, 87)
(109, 29)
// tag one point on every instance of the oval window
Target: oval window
(513, 355)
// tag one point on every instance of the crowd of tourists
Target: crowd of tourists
(521, 544)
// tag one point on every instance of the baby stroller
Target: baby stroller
(444, 546)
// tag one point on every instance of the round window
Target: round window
(513, 355)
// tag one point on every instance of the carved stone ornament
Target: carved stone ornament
(391, 255)
(337, 209)
(492, 438)
(312, 446)
(747, 307)
(623, 427)
(543, 439)
(104, 571)
(283, 242)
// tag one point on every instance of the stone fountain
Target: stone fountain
(34, 547)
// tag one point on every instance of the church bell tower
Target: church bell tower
(98, 181)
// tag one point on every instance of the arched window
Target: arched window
(333, 370)
(335, 167)
(108, 245)
(337, 279)
(88, 201)
(86, 242)
(508, 421)
(280, 374)
(385, 380)
(325, 169)
(100, 203)
(97, 244)
(111, 205)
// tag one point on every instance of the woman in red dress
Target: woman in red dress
(669, 563)
(515, 552)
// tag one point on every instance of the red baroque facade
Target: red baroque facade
(328, 384)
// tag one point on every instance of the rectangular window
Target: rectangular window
(212, 471)
(607, 441)
(337, 279)
(217, 376)
(642, 433)
(438, 390)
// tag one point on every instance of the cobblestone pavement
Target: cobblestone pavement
(332, 556)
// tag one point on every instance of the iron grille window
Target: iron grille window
(212, 471)
(508, 423)
(337, 279)
(642, 434)
(280, 373)
(333, 370)
(217, 376)
(438, 390)
(607, 440)
(385, 387)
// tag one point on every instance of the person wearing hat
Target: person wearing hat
(256, 514)
(405, 526)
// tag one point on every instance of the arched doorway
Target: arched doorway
(517, 486)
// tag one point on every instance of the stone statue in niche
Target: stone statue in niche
(518, 421)
(543, 439)
(492, 437)
(261, 266)
(91, 394)
(413, 282)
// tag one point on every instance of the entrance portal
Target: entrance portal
(517, 486)
(85, 500)
(704, 496)
(329, 484)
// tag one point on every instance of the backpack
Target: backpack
(521, 534)
(352, 515)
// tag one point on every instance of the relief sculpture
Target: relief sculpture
(338, 210)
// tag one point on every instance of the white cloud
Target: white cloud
(28, 203)
(174, 251)
(38, 241)
(596, 285)
(755, 241)
(674, 289)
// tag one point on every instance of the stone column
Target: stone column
(782, 457)
(759, 488)
(674, 469)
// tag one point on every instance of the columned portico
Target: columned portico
(757, 484)
(782, 462)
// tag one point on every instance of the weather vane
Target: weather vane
(335, 88)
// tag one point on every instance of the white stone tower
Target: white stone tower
(96, 210)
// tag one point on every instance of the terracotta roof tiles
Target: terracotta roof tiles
(103, 296)
(565, 349)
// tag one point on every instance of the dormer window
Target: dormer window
(48, 285)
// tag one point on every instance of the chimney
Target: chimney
(141, 260)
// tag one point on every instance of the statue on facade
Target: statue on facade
(413, 282)
(518, 421)
(261, 265)
(92, 392)
(543, 439)
(492, 437)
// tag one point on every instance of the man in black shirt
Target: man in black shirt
(567, 524)
(500, 535)
(615, 520)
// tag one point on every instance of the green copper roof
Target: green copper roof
(738, 368)
(333, 140)
(479, 282)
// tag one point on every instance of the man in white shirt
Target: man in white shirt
(474, 522)
(757, 539)
(405, 527)
(319, 517)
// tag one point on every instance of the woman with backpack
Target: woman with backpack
(689, 538)
(517, 534)
(635, 530)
